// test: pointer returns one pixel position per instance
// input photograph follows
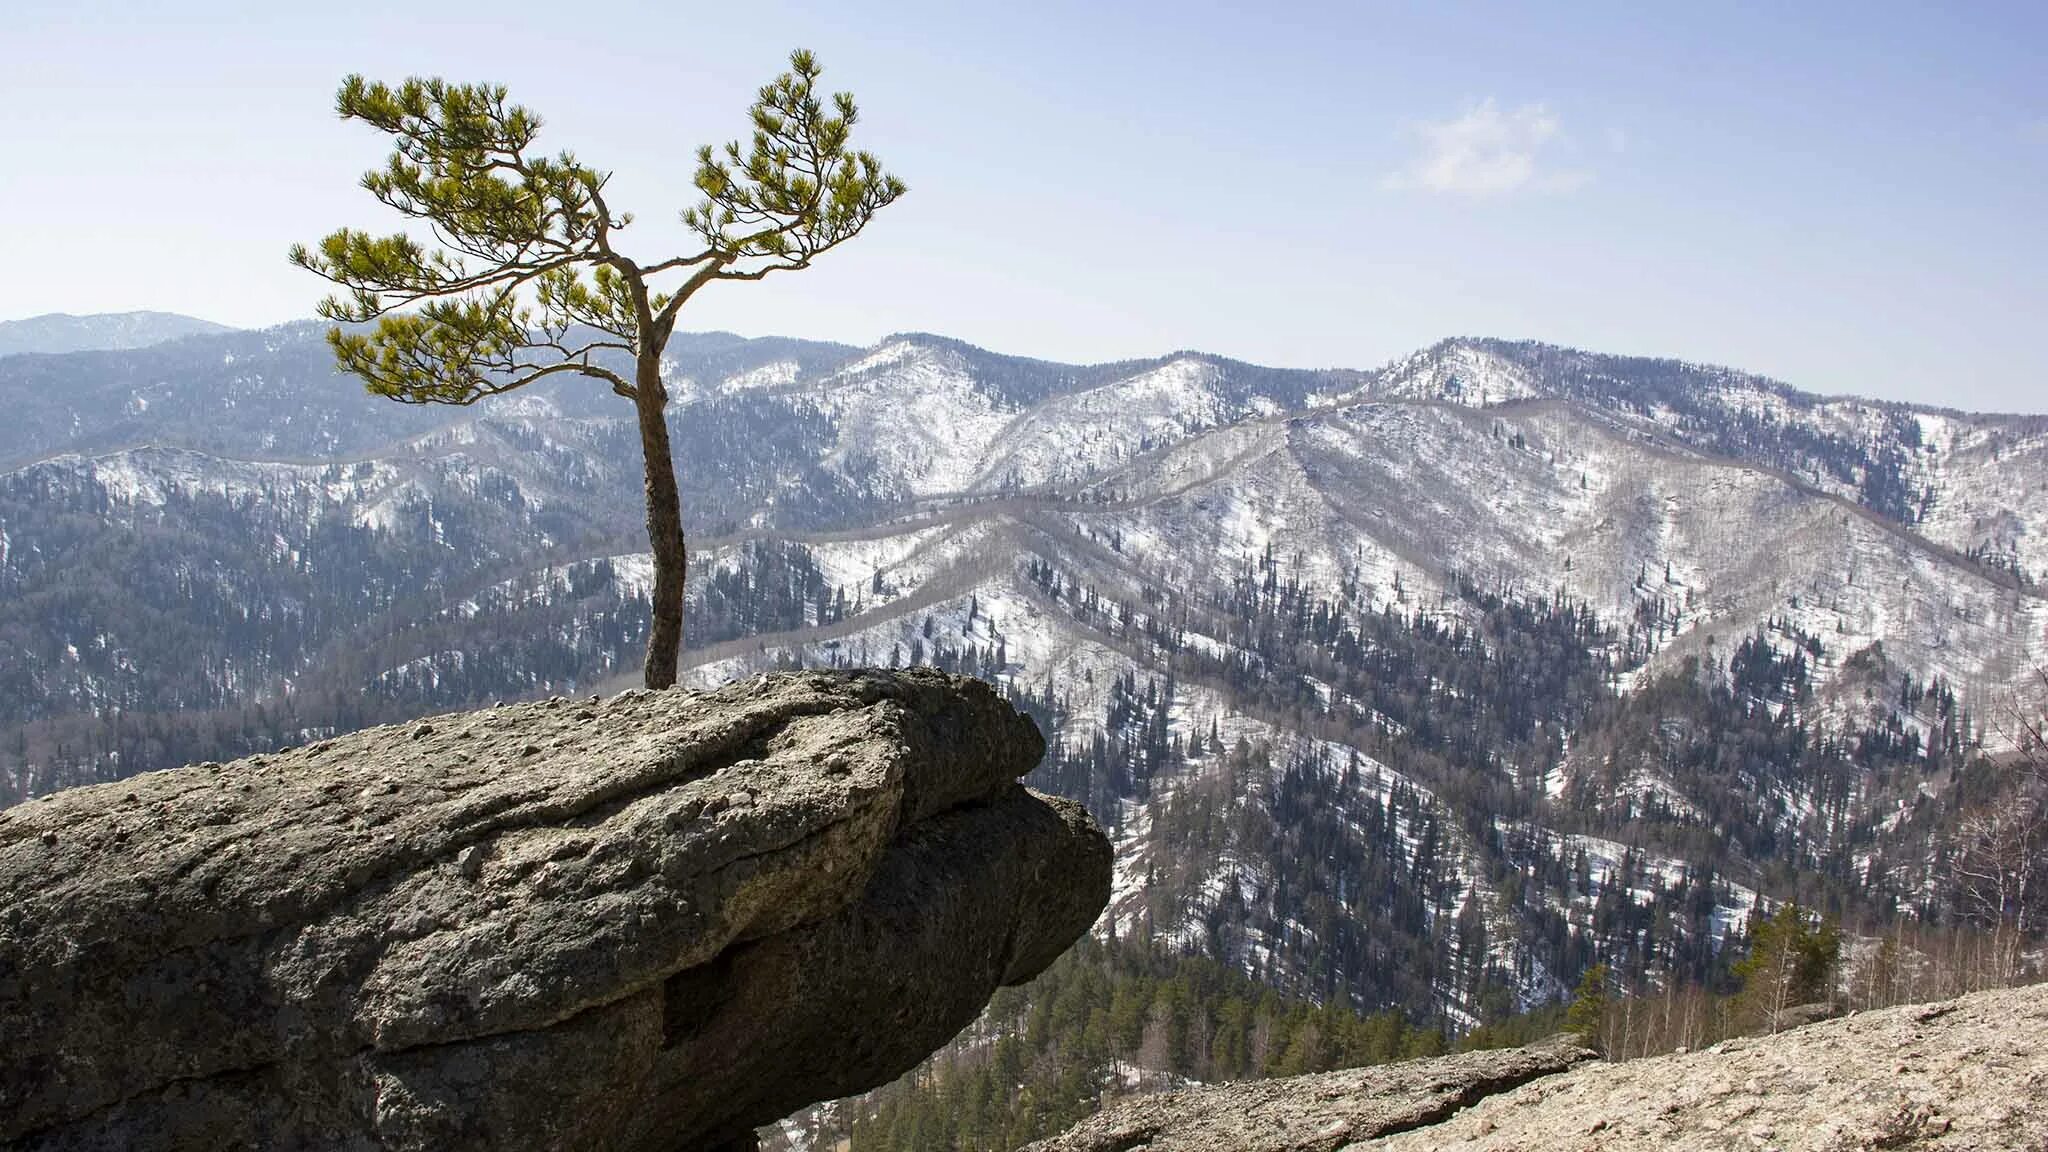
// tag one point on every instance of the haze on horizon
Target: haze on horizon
(1846, 197)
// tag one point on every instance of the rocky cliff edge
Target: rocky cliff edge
(649, 922)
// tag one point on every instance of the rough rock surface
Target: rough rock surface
(1965, 1074)
(1318, 1113)
(648, 923)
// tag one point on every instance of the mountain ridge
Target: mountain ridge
(56, 333)
(1469, 624)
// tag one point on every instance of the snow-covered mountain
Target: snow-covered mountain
(1529, 635)
(62, 332)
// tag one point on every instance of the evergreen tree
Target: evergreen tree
(1588, 1010)
(1790, 962)
(529, 283)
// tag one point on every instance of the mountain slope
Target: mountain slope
(1971, 482)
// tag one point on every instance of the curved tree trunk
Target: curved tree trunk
(664, 529)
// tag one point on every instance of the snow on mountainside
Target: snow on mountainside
(1973, 483)
(61, 332)
(914, 416)
(923, 417)
(1071, 438)
(1401, 496)
(1989, 486)
(1454, 372)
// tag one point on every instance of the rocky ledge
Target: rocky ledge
(652, 922)
(1318, 1113)
(1965, 1074)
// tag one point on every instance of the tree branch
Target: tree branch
(502, 281)
(675, 262)
(619, 385)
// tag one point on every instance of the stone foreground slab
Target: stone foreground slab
(1969, 1074)
(653, 922)
(1315, 1113)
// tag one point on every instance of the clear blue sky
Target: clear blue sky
(1850, 197)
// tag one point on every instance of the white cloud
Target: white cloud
(1488, 152)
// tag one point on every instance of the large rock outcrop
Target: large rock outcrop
(1965, 1074)
(652, 923)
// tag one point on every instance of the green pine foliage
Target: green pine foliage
(528, 279)
(1791, 961)
(1589, 1005)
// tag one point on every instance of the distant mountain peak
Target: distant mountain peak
(57, 332)
(1461, 371)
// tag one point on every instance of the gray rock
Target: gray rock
(1965, 1074)
(652, 922)
(1800, 1015)
(1318, 1113)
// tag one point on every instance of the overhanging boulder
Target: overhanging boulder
(649, 923)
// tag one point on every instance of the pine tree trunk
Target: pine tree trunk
(664, 528)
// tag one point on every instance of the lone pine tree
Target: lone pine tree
(525, 279)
